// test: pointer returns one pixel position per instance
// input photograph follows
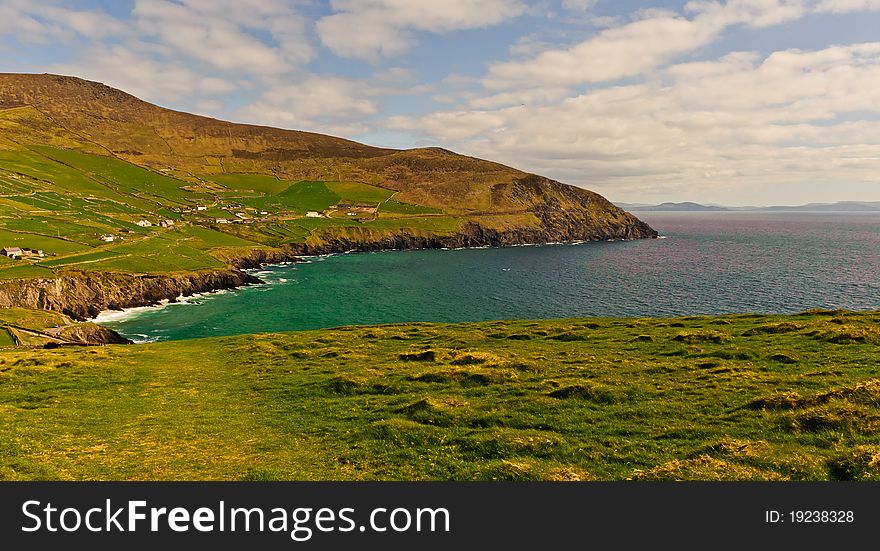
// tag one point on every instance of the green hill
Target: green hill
(727, 398)
(80, 161)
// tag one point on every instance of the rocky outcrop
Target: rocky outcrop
(88, 333)
(83, 295)
(250, 259)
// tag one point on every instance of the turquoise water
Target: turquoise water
(708, 263)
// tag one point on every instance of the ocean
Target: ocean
(706, 263)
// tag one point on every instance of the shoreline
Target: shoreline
(111, 315)
(84, 295)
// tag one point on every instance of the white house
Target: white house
(144, 223)
(221, 221)
(12, 252)
(313, 214)
(201, 207)
(108, 238)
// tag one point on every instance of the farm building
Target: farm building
(167, 223)
(313, 214)
(201, 207)
(19, 252)
(221, 221)
(108, 238)
(144, 223)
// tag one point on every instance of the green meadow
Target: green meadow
(738, 397)
(62, 201)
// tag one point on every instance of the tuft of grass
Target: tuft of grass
(777, 401)
(593, 393)
(423, 356)
(860, 463)
(847, 334)
(703, 336)
(839, 416)
(705, 468)
(773, 329)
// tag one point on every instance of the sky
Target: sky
(737, 102)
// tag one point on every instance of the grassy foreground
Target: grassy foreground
(731, 397)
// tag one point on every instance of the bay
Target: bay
(707, 263)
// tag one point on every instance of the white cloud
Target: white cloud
(373, 29)
(847, 6)
(319, 103)
(743, 120)
(612, 54)
(653, 39)
(143, 76)
(218, 33)
(579, 5)
(530, 96)
(39, 24)
(753, 13)
(451, 126)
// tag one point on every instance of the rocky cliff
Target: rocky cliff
(83, 295)
(471, 235)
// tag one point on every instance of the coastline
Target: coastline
(84, 295)
(111, 315)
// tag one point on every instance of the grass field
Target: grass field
(395, 207)
(268, 185)
(308, 196)
(31, 319)
(733, 397)
(6, 338)
(125, 177)
(357, 193)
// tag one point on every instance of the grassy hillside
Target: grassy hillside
(64, 201)
(731, 397)
(80, 160)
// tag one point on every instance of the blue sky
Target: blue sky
(734, 102)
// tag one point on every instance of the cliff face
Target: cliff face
(475, 235)
(556, 225)
(83, 295)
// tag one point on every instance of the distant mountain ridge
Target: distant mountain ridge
(687, 206)
(669, 207)
(840, 206)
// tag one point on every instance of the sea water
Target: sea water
(707, 263)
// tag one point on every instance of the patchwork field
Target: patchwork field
(740, 397)
(70, 203)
